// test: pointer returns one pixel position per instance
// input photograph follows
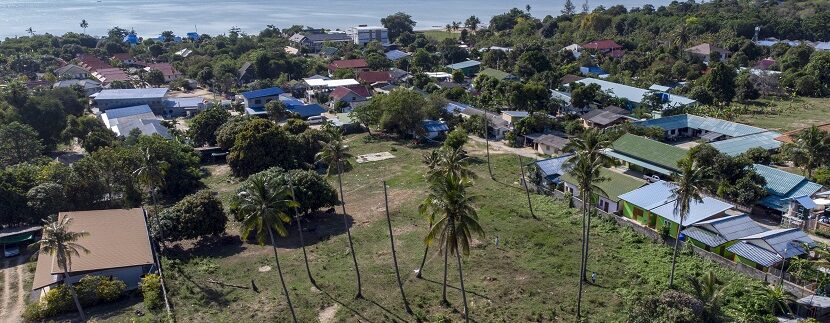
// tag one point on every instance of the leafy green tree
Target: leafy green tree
(18, 143)
(472, 23)
(204, 125)
(397, 24)
(456, 139)
(720, 81)
(99, 138)
(809, 150)
(670, 306)
(47, 117)
(46, 199)
(458, 76)
(197, 215)
(295, 126)
(181, 165)
(744, 89)
(60, 242)
(401, 111)
(227, 132)
(569, 8)
(154, 77)
(260, 145)
(263, 208)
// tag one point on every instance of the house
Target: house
(306, 110)
(603, 118)
(765, 64)
(646, 156)
(398, 75)
(635, 96)
(362, 35)
(499, 75)
(331, 52)
(123, 120)
(551, 170)
(357, 65)
(496, 125)
(122, 98)
(89, 87)
(92, 63)
(178, 107)
(374, 77)
(593, 70)
(255, 100)
(654, 205)
(118, 243)
(184, 52)
(131, 39)
(71, 72)
(350, 94)
(124, 58)
(469, 68)
(434, 129)
(783, 187)
(513, 116)
(315, 40)
(607, 193)
(728, 137)
(767, 249)
(439, 76)
(605, 46)
(705, 51)
(548, 144)
(109, 75)
(246, 74)
(395, 55)
(193, 36)
(718, 234)
(166, 69)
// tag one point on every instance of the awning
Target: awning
(806, 202)
(16, 238)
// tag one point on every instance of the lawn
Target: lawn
(529, 276)
(785, 115)
(440, 35)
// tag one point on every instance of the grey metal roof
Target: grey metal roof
(785, 242)
(757, 254)
(602, 117)
(553, 141)
(698, 211)
(732, 129)
(732, 227)
(128, 111)
(706, 237)
(118, 94)
(147, 127)
(815, 301)
(650, 196)
(465, 64)
(736, 146)
(553, 166)
(634, 94)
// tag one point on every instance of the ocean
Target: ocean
(151, 17)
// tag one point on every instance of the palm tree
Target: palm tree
(585, 167)
(394, 256)
(151, 174)
(431, 161)
(30, 31)
(300, 231)
(263, 206)
(448, 28)
(84, 25)
(58, 241)
(809, 149)
(336, 156)
(691, 182)
(450, 208)
(776, 299)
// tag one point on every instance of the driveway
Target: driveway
(14, 292)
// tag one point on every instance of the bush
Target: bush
(56, 301)
(151, 291)
(456, 139)
(91, 290)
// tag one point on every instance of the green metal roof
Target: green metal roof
(496, 74)
(650, 151)
(615, 184)
(16, 238)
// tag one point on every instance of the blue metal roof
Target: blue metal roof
(634, 94)
(650, 196)
(732, 129)
(271, 91)
(806, 202)
(290, 101)
(128, 111)
(255, 111)
(119, 94)
(736, 146)
(763, 246)
(435, 126)
(394, 55)
(783, 186)
(698, 211)
(308, 110)
(553, 167)
(718, 231)
(462, 65)
(706, 237)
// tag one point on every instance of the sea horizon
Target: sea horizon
(150, 17)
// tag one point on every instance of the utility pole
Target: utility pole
(524, 181)
(394, 257)
(487, 143)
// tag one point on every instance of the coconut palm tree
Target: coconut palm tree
(151, 175)
(691, 181)
(449, 207)
(394, 255)
(336, 156)
(431, 161)
(61, 243)
(585, 167)
(809, 149)
(84, 25)
(300, 231)
(30, 31)
(262, 206)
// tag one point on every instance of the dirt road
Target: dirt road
(14, 291)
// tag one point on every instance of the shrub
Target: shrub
(456, 139)
(91, 290)
(151, 291)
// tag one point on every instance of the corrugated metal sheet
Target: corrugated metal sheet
(698, 211)
(638, 162)
(650, 151)
(650, 196)
(736, 146)
(732, 129)
(779, 182)
(117, 94)
(785, 242)
(733, 227)
(708, 238)
(553, 166)
(634, 94)
(271, 91)
(757, 254)
(465, 64)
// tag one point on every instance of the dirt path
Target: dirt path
(498, 147)
(14, 294)
(328, 313)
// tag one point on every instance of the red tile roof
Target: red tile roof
(342, 91)
(605, 44)
(93, 63)
(374, 76)
(122, 57)
(165, 68)
(348, 63)
(790, 136)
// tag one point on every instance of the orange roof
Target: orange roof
(117, 238)
(789, 137)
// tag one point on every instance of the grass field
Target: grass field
(789, 114)
(440, 35)
(530, 276)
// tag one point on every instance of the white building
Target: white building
(362, 35)
(122, 121)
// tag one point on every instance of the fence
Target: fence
(771, 277)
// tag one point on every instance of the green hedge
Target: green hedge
(91, 290)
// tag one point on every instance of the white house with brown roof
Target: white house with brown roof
(119, 246)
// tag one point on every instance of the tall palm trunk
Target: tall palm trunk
(424, 259)
(74, 295)
(282, 280)
(461, 279)
(444, 300)
(674, 254)
(527, 191)
(587, 240)
(394, 256)
(348, 230)
(302, 240)
(585, 206)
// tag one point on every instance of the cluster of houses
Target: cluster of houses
(91, 67)
(637, 188)
(123, 110)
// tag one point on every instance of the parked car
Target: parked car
(315, 120)
(11, 250)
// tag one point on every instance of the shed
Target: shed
(552, 169)
(306, 111)
(469, 68)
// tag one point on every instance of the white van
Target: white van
(315, 120)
